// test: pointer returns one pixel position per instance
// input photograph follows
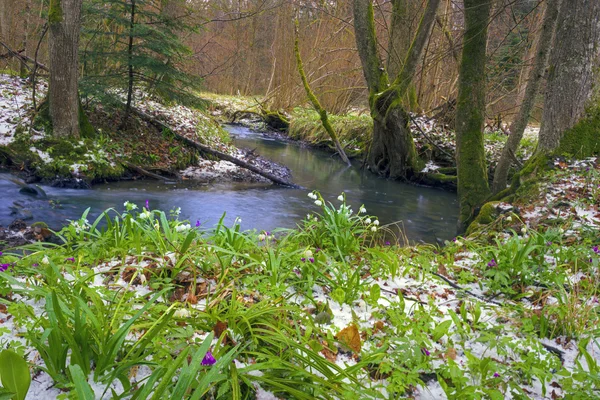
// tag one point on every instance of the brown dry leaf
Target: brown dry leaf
(350, 337)
(3, 308)
(378, 326)
(219, 328)
(442, 269)
(328, 354)
(451, 353)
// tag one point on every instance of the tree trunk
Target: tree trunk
(573, 71)
(129, 66)
(535, 75)
(316, 104)
(470, 112)
(64, 19)
(392, 152)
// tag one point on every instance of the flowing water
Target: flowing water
(426, 214)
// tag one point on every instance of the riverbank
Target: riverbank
(140, 149)
(434, 140)
(327, 310)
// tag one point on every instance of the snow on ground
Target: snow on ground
(15, 105)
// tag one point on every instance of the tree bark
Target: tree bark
(129, 66)
(473, 186)
(316, 104)
(392, 152)
(536, 73)
(64, 20)
(573, 71)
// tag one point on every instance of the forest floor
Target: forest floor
(26, 148)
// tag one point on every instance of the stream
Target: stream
(426, 214)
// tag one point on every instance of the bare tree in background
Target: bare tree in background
(64, 20)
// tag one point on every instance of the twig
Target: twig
(428, 138)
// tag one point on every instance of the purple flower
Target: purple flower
(198, 223)
(303, 259)
(548, 243)
(425, 351)
(317, 250)
(208, 359)
(268, 233)
(35, 264)
(596, 250)
(496, 375)
(0, 253)
(72, 259)
(387, 243)
(4, 267)
(492, 263)
(312, 260)
(147, 205)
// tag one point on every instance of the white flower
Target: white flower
(312, 196)
(561, 231)
(45, 260)
(308, 216)
(362, 210)
(341, 197)
(368, 220)
(373, 229)
(376, 222)
(315, 219)
(130, 206)
(523, 230)
(458, 243)
(177, 211)
(508, 219)
(318, 202)
(143, 279)
(145, 214)
(182, 313)
(183, 227)
(308, 254)
(261, 237)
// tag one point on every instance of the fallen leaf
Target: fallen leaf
(350, 337)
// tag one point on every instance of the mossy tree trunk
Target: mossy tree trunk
(315, 102)
(392, 152)
(518, 126)
(473, 186)
(129, 65)
(64, 20)
(573, 73)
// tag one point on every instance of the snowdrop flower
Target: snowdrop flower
(508, 219)
(368, 220)
(261, 237)
(145, 214)
(182, 227)
(143, 279)
(362, 210)
(523, 230)
(130, 206)
(376, 222)
(182, 313)
(373, 229)
(458, 243)
(45, 260)
(312, 196)
(318, 202)
(561, 231)
(308, 254)
(341, 197)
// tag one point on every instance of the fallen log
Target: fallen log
(220, 155)
(142, 171)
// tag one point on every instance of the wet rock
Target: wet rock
(17, 225)
(33, 190)
(70, 183)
